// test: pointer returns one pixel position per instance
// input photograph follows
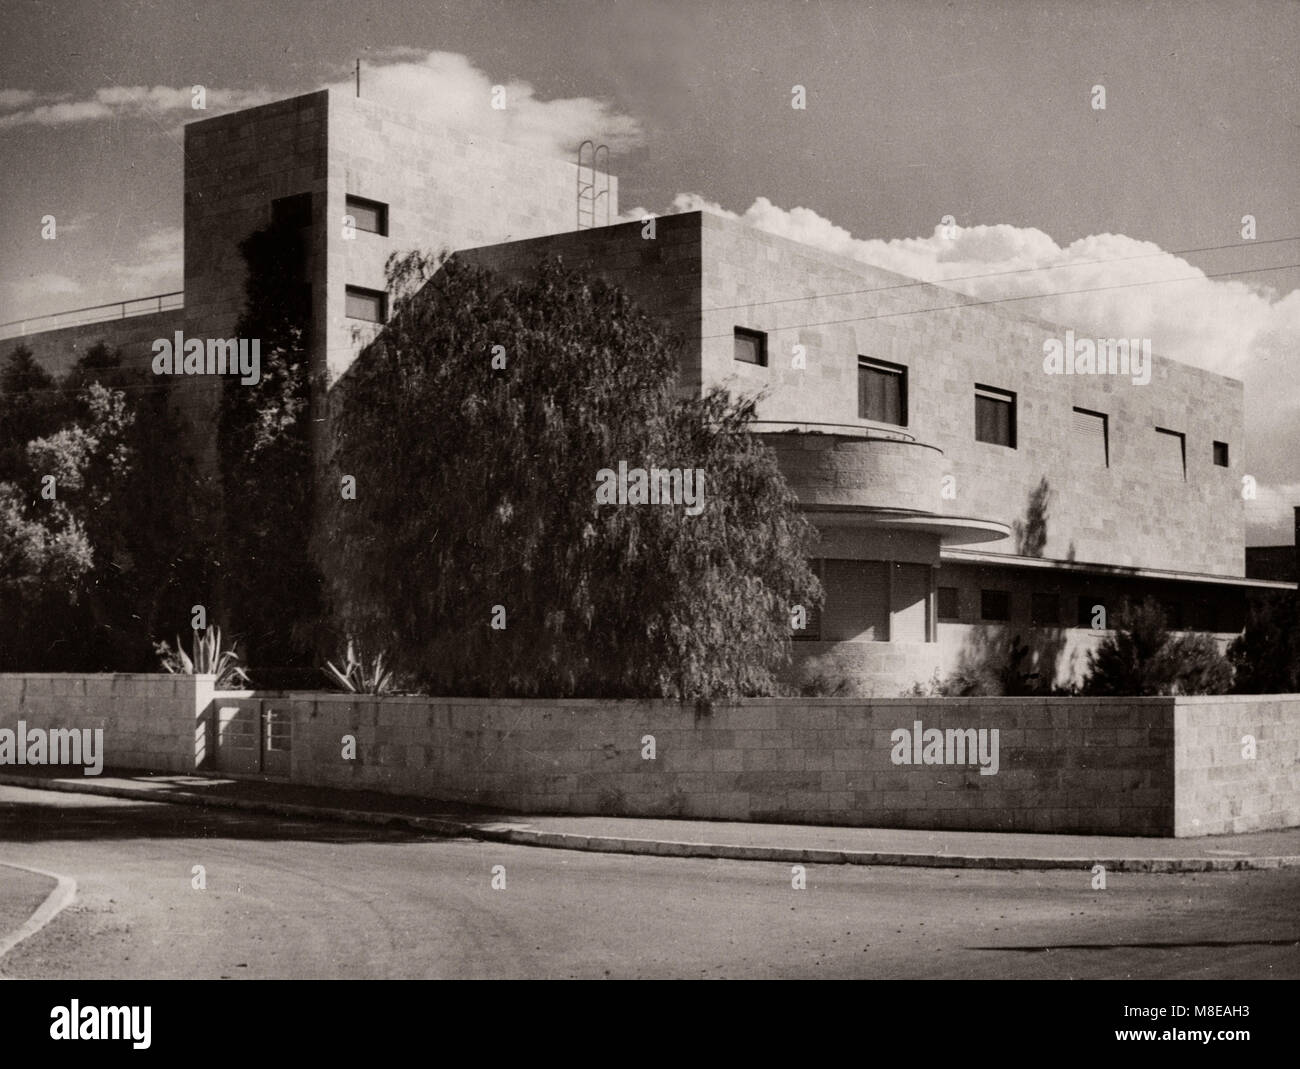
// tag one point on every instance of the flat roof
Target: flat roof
(1012, 560)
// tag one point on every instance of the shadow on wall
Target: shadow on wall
(1031, 532)
(996, 662)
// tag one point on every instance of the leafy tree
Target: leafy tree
(1142, 657)
(270, 585)
(100, 558)
(1267, 653)
(476, 488)
(31, 406)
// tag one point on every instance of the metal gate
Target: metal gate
(254, 736)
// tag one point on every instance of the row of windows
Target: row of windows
(882, 398)
(1046, 610)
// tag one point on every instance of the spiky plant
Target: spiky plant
(209, 657)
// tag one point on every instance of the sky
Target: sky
(982, 110)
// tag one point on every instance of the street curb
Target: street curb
(601, 844)
(55, 902)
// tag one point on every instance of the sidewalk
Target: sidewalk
(792, 843)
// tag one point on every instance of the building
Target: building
(964, 494)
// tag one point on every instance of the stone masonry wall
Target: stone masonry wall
(149, 721)
(1218, 787)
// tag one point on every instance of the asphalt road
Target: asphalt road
(293, 899)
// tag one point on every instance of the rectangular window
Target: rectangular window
(948, 604)
(812, 630)
(751, 347)
(857, 601)
(370, 305)
(1221, 454)
(1091, 437)
(1090, 608)
(909, 608)
(368, 215)
(1170, 457)
(995, 605)
(882, 391)
(995, 416)
(1045, 610)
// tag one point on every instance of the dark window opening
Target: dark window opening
(995, 605)
(882, 391)
(1045, 610)
(995, 416)
(368, 215)
(948, 607)
(1221, 454)
(751, 347)
(370, 305)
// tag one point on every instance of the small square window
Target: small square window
(948, 604)
(995, 605)
(370, 305)
(995, 416)
(368, 215)
(1221, 454)
(882, 391)
(751, 347)
(1045, 610)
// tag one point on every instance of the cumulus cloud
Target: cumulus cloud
(1223, 325)
(446, 87)
(118, 101)
(443, 86)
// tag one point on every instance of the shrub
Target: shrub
(1142, 657)
(361, 674)
(1267, 653)
(209, 657)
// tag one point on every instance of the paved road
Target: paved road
(296, 899)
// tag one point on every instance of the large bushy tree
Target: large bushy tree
(475, 428)
(96, 549)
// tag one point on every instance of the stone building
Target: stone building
(964, 494)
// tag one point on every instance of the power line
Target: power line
(995, 274)
(972, 303)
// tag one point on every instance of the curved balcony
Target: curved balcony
(868, 476)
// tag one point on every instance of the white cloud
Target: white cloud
(1221, 325)
(157, 266)
(38, 289)
(123, 101)
(16, 98)
(443, 86)
(446, 87)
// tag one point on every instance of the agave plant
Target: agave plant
(361, 674)
(210, 657)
